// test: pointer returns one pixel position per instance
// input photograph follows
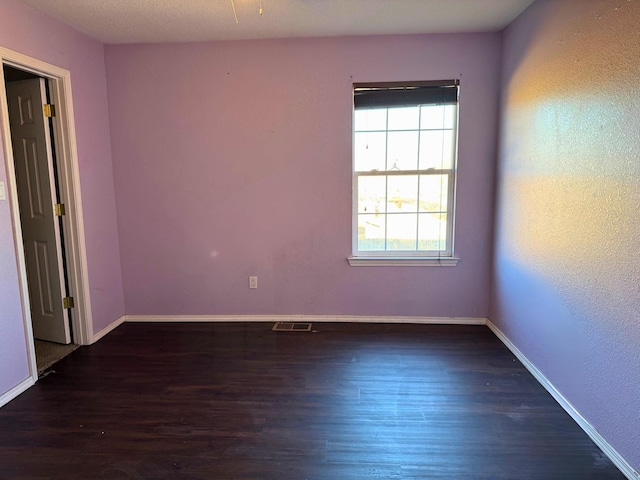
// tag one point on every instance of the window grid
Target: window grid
(441, 172)
(386, 182)
(417, 244)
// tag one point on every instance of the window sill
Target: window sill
(403, 261)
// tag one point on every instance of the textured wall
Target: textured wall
(234, 158)
(567, 270)
(26, 31)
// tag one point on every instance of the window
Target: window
(405, 145)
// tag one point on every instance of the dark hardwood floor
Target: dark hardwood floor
(238, 401)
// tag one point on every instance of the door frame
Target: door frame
(69, 180)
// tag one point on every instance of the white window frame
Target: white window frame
(444, 257)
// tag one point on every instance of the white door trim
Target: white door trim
(69, 178)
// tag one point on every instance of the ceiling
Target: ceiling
(154, 21)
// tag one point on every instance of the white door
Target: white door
(30, 136)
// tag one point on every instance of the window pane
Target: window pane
(370, 119)
(432, 117)
(432, 231)
(405, 118)
(402, 151)
(437, 117)
(433, 193)
(450, 114)
(436, 149)
(371, 232)
(402, 193)
(401, 231)
(372, 194)
(369, 151)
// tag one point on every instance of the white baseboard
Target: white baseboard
(17, 390)
(29, 382)
(589, 429)
(108, 329)
(307, 318)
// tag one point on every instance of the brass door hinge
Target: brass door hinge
(67, 302)
(59, 210)
(49, 110)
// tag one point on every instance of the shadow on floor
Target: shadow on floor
(48, 353)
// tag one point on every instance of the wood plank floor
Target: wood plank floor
(238, 401)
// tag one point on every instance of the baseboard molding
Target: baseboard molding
(307, 318)
(15, 391)
(29, 382)
(589, 429)
(108, 329)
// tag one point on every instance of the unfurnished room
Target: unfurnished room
(320, 239)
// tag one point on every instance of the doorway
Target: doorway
(33, 146)
(44, 189)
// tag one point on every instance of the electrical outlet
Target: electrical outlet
(3, 191)
(253, 282)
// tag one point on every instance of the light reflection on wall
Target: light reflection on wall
(568, 208)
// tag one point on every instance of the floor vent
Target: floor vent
(291, 327)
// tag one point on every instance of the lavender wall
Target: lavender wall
(234, 159)
(28, 32)
(13, 347)
(567, 270)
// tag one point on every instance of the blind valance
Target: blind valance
(384, 95)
